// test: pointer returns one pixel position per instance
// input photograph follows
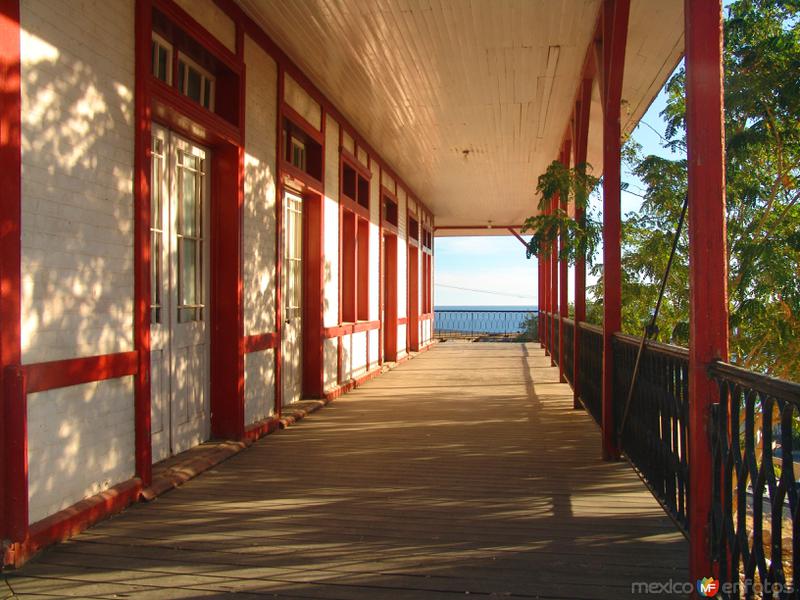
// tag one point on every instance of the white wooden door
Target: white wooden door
(179, 305)
(292, 342)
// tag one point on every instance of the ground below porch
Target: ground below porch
(464, 471)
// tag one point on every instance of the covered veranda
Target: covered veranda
(463, 471)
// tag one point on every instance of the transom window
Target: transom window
(297, 154)
(162, 59)
(195, 82)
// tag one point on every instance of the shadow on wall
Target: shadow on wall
(77, 244)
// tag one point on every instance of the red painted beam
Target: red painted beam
(10, 235)
(708, 294)
(615, 33)
(518, 236)
(259, 342)
(55, 374)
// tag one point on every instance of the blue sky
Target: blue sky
(497, 265)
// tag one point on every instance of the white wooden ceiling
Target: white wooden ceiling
(468, 100)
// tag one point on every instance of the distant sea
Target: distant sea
(481, 319)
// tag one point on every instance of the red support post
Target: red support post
(553, 292)
(540, 299)
(563, 274)
(615, 34)
(13, 415)
(580, 149)
(708, 294)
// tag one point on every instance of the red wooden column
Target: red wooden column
(545, 331)
(580, 145)
(540, 299)
(708, 294)
(563, 269)
(13, 414)
(615, 34)
(554, 290)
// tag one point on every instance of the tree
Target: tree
(762, 128)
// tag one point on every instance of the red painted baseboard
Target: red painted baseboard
(72, 520)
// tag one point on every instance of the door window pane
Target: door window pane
(190, 237)
(156, 228)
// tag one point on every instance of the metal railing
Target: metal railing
(755, 524)
(486, 324)
(590, 369)
(655, 432)
(569, 345)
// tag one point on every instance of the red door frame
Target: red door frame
(615, 33)
(708, 272)
(313, 295)
(13, 414)
(413, 297)
(390, 297)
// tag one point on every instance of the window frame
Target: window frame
(205, 75)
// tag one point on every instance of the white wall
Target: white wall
(259, 275)
(331, 251)
(402, 270)
(77, 239)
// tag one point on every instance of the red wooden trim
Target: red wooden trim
(12, 432)
(353, 206)
(300, 121)
(227, 314)
(260, 341)
(16, 453)
(186, 22)
(553, 288)
(480, 226)
(349, 328)
(141, 254)
(313, 295)
(71, 521)
(402, 320)
(55, 374)
(413, 300)
(261, 428)
(518, 236)
(615, 30)
(299, 179)
(352, 160)
(173, 108)
(426, 317)
(708, 302)
(381, 267)
(351, 384)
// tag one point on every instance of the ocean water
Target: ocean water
(491, 319)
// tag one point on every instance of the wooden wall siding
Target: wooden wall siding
(427, 81)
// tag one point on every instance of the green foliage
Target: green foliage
(762, 128)
(579, 237)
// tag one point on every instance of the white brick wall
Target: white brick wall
(80, 442)
(77, 173)
(77, 240)
(259, 386)
(259, 227)
(259, 277)
(331, 224)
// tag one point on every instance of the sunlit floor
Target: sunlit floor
(463, 471)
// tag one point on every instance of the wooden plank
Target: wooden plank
(427, 482)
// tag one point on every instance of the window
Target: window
(191, 170)
(157, 229)
(300, 150)
(355, 267)
(389, 210)
(162, 59)
(298, 153)
(413, 228)
(195, 82)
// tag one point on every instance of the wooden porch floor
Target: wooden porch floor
(463, 471)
